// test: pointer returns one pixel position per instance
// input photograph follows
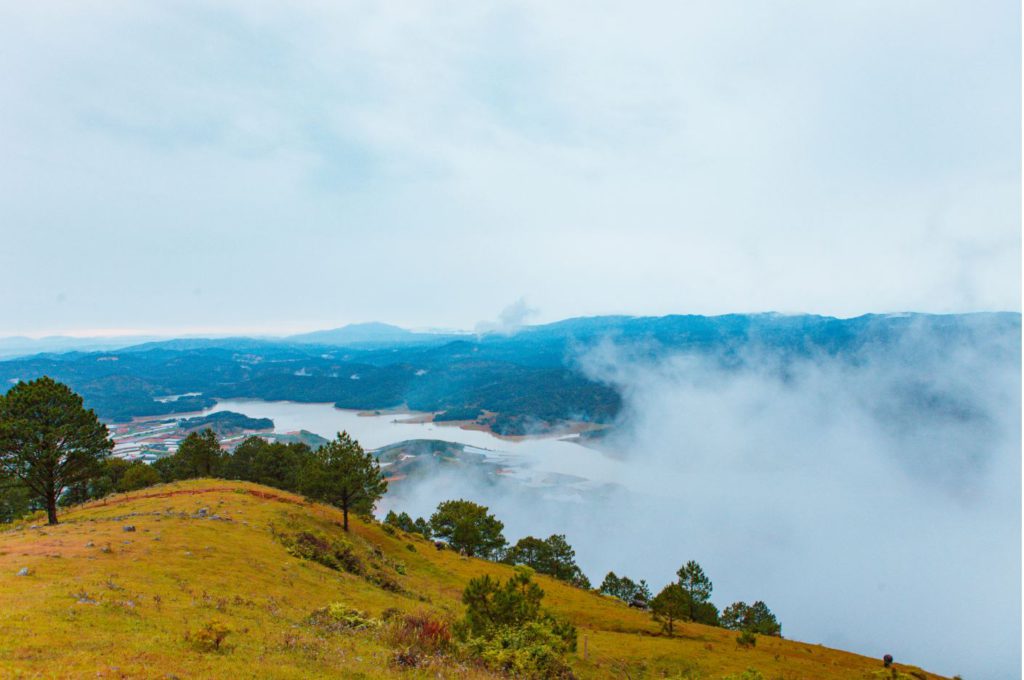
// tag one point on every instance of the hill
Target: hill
(532, 381)
(90, 598)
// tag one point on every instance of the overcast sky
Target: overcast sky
(202, 167)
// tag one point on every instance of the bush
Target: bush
(318, 548)
(338, 616)
(749, 674)
(746, 639)
(532, 650)
(417, 638)
(507, 630)
(210, 638)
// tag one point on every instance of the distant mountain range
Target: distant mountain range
(517, 383)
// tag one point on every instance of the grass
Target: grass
(219, 594)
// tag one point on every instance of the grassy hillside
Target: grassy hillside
(100, 601)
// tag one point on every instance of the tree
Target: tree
(15, 500)
(200, 455)
(272, 463)
(624, 588)
(49, 440)
(506, 628)
(755, 618)
(552, 556)
(468, 528)
(342, 474)
(139, 475)
(671, 605)
(698, 589)
(491, 605)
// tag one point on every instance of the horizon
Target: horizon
(261, 332)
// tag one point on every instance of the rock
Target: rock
(203, 512)
(89, 544)
(129, 527)
(24, 571)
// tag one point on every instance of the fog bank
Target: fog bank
(873, 501)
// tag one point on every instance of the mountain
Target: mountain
(16, 346)
(365, 334)
(528, 381)
(141, 584)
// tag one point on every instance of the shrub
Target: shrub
(507, 630)
(746, 639)
(532, 650)
(313, 546)
(338, 616)
(210, 638)
(749, 674)
(417, 638)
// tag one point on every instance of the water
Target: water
(533, 456)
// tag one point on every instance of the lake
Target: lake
(533, 456)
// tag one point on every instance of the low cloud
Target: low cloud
(510, 320)
(872, 500)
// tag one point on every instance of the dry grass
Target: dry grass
(220, 596)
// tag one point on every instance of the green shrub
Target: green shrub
(338, 616)
(506, 629)
(749, 674)
(532, 650)
(746, 639)
(313, 546)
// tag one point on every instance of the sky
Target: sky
(198, 167)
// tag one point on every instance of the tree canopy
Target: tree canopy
(49, 441)
(755, 618)
(469, 528)
(697, 587)
(624, 588)
(342, 474)
(552, 556)
(200, 454)
(670, 605)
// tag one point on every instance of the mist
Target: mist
(871, 499)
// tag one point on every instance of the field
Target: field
(88, 598)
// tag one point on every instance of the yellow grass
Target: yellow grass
(103, 602)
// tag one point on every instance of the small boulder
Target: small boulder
(129, 527)
(24, 571)
(203, 512)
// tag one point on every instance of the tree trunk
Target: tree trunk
(344, 514)
(51, 508)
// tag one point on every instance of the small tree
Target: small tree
(49, 440)
(491, 605)
(624, 588)
(200, 455)
(342, 474)
(755, 618)
(670, 605)
(469, 528)
(552, 556)
(698, 589)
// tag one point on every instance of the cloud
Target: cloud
(701, 157)
(872, 500)
(510, 320)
